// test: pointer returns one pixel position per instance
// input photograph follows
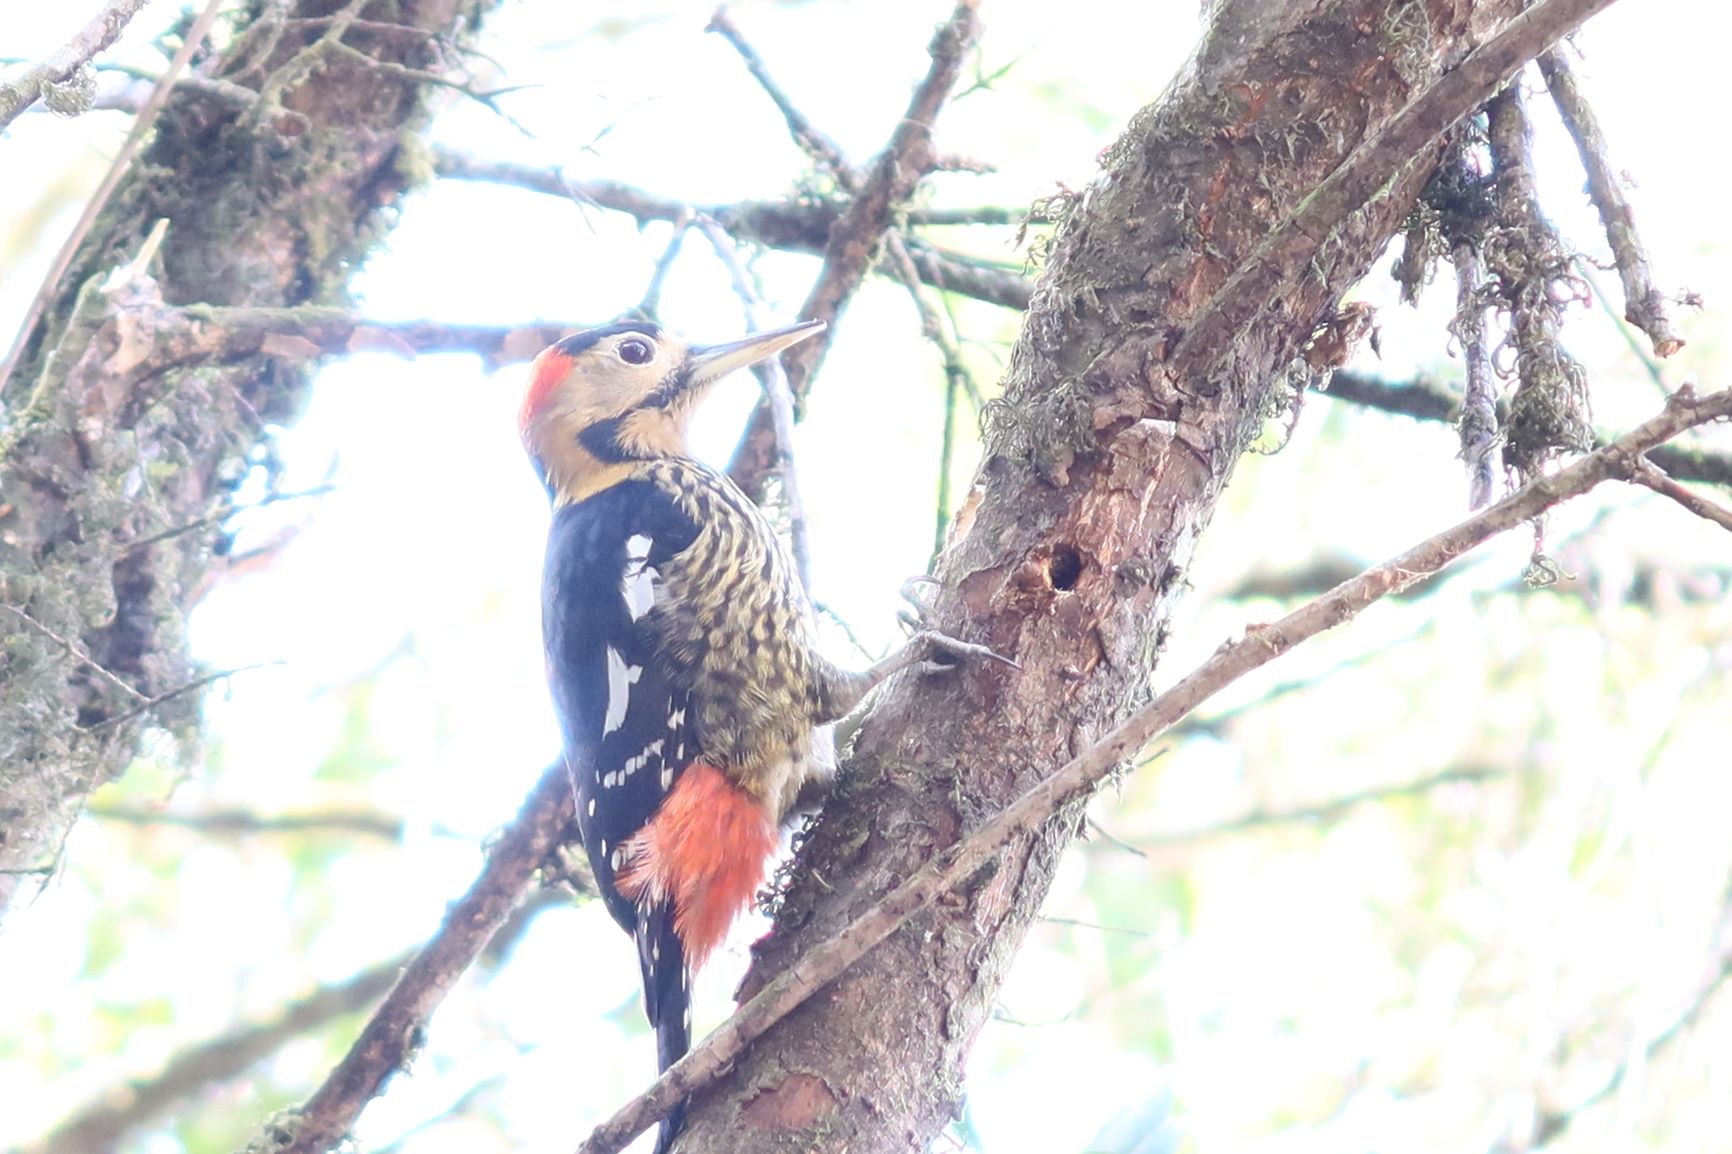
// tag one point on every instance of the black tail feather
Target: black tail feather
(667, 1000)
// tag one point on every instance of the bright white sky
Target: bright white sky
(435, 531)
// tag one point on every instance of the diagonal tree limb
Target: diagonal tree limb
(856, 239)
(1644, 305)
(68, 61)
(393, 1033)
(1077, 779)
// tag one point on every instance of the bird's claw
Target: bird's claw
(918, 621)
(949, 646)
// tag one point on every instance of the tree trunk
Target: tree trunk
(1129, 399)
(119, 458)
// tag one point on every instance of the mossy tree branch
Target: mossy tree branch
(104, 447)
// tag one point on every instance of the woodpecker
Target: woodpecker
(680, 649)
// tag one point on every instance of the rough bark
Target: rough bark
(1103, 462)
(109, 447)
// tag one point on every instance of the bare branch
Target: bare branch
(1079, 777)
(854, 242)
(1644, 305)
(796, 226)
(391, 1035)
(62, 69)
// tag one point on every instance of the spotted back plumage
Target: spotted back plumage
(737, 623)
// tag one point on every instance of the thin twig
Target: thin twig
(1644, 305)
(177, 692)
(814, 143)
(776, 393)
(1647, 474)
(77, 652)
(799, 224)
(1113, 840)
(956, 378)
(1584, 268)
(855, 240)
(67, 61)
(1079, 777)
(395, 1028)
(141, 127)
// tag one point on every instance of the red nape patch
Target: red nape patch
(706, 849)
(545, 373)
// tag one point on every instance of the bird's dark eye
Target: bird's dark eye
(636, 352)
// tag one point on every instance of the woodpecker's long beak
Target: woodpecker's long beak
(711, 362)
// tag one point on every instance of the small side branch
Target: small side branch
(1644, 305)
(1083, 774)
(1649, 475)
(65, 66)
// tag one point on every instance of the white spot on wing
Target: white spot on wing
(632, 764)
(620, 678)
(638, 584)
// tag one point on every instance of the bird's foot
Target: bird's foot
(938, 652)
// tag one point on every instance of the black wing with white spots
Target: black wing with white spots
(628, 731)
